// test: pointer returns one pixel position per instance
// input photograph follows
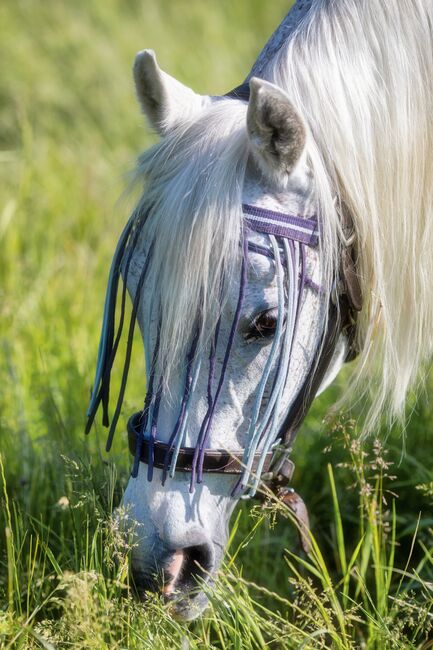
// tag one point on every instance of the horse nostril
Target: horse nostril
(188, 567)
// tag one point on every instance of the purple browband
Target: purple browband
(305, 231)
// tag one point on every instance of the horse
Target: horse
(283, 229)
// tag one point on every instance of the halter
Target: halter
(288, 235)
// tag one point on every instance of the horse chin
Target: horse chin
(183, 604)
(187, 594)
(183, 583)
(188, 606)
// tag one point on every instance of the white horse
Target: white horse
(233, 259)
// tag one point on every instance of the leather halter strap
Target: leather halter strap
(217, 461)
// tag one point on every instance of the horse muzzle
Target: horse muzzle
(180, 577)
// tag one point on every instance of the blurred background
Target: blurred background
(70, 132)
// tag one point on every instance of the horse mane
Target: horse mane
(361, 73)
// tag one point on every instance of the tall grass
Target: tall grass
(68, 584)
(69, 131)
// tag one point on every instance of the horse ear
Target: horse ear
(164, 100)
(276, 130)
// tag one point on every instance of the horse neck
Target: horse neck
(298, 12)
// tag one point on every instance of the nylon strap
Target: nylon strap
(305, 231)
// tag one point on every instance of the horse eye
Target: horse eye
(263, 326)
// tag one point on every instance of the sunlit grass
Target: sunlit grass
(69, 583)
(70, 130)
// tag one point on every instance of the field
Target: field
(70, 131)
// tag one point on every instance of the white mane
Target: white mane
(361, 73)
(362, 76)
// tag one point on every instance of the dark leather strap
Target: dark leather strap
(297, 505)
(215, 460)
(241, 92)
(308, 391)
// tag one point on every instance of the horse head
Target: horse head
(240, 260)
(224, 270)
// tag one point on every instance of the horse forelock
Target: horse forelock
(193, 182)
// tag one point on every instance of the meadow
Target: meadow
(70, 131)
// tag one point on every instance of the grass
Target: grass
(69, 131)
